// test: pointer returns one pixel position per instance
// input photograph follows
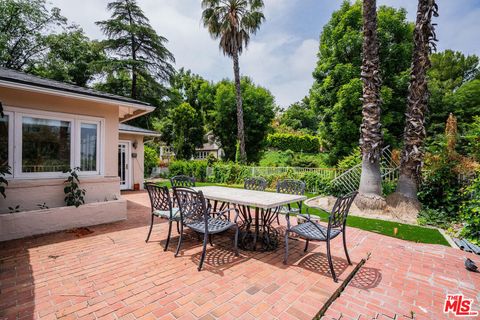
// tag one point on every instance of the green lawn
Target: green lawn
(404, 231)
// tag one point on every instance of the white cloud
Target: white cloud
(281, 56)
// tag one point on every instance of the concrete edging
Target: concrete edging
(28, 223)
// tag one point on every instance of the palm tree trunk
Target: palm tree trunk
(371, 139)
(240, 126)
(405, 196)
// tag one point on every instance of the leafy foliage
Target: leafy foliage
(470, 210)
(300, 117)
(295, 142)
(4, 170)
(335, 95)
(258, 105)
(451, 70)
(71, 57)
(187, 131)
(197, 169)
(74, 195)
(150, 160)
(23, 24)
(354, 158)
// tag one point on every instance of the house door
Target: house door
(124, 165)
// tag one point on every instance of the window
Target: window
(202, 154)
(47, 143)
(88, 146)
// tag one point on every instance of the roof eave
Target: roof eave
(138, 109)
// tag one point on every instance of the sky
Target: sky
(282, 55)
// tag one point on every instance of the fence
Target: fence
(327, 173)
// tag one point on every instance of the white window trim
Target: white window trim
(11, 118)
(15, 141)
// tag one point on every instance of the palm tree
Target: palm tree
(405, 196)
(371, 139)
(233, 21)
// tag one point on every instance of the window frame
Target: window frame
(16, 141)
(10, 147)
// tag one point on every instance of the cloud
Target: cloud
(282, 55)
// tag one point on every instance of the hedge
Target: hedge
(232, 173)
(298, 143)
(194, 168)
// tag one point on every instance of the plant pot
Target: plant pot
(136, 186)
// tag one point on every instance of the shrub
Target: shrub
(150, 160)
(195, 168)
(354, 158)
(434, 217)
(470, 210)
(233, 173)
(298, 143)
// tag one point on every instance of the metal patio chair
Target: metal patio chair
(256, 183)
(290, 186)
(195, 214)
(313, 231)
(182, 181)
(161, 204)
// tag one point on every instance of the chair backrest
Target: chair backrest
(192, 204)
(340, 210)
(159, 197)
(257, 183)
(291, 186)
(182, 181)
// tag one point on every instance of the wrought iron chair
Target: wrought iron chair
(290, 186)
(161, 204)
(257, 183)
(195, 214)
(313, 231)
(182, 181)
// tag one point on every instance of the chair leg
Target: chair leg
(204, 252)
(150, 231)
(286, 248)
(210, 239)
(330, 262)
(345, 247)
(235, 244)
(278, 219)
(306, 246)
(169, 233)
(178, 226)
(179, 240)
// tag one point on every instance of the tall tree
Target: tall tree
(187, 131)
(232, 21)
(405, 195)
(23, 24)
(135, 45)
(370, 190)
(337, 90)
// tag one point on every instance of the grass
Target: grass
(404, 231)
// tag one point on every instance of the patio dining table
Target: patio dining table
(265, 205)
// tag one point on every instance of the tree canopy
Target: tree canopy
(23, 28)
(335, 95)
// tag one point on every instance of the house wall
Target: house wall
(29, 192)
(136, 163)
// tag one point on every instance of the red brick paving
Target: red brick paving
(113, 274)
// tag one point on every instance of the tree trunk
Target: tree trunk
(370, 190)
(240, 127)
(133, 93)
(405, 196)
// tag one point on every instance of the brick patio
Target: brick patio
(112, 273)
